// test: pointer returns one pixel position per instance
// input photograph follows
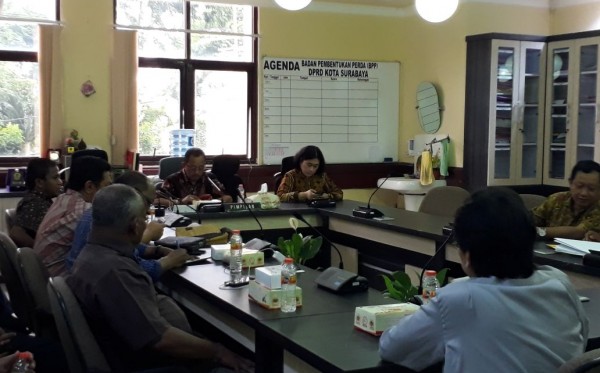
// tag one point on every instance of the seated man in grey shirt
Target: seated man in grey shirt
(508, 316)
(120, 302)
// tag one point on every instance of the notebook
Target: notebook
(576, 247)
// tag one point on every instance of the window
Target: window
(197, 71)
(19, 78)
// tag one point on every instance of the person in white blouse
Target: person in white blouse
(508, 316)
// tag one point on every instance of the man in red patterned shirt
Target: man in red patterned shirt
(55, 234)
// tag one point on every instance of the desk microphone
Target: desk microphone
(162, 192)
(368, 212)
(301, 218)
(238, 194)
(442, 246)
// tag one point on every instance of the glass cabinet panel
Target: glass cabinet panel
(531, 113)
(505, 87)
(559, 123)
(586, 111)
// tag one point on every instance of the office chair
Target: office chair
(287, 164)
(532, 200)
(225, 168)
(168, 166)
(81, 348)
(444, 200)
(9, 218)
(11, 274)
(588, 362)
(35, 277)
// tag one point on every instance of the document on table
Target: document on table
(576, 247)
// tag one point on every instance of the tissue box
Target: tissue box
(217, 252)
(269, 277)
(375, 319)
(269, 298)
(250, 258)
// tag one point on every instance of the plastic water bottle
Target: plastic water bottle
(241, 193)
(235, 256)
(288, 286)
(430, 285)
(23, 361)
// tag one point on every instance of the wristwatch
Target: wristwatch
(541, 231)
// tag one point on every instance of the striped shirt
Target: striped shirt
(55, 234)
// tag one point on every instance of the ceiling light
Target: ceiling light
(293, 4)
(435, 10)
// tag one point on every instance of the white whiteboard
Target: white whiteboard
(349, 109)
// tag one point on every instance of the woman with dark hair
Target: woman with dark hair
(308, 179)
(509, 315)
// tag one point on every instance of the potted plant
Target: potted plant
(298, 247)
(398, 286)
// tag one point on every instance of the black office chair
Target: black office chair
(225, 168)
(287, 164)
(168, 166)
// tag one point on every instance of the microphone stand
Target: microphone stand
(238, 194)
(368, 212)
(301, 218)
(442, 246)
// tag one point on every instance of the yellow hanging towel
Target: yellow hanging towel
(426, 176)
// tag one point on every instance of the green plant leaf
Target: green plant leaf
(441, 276)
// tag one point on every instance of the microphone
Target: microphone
(238, 194)
(442, 246)
(301, 218)
(166, 194)
(368, 212)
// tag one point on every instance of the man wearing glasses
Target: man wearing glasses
(192, 183)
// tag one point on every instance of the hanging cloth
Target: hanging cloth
(444, 157)
(426, 177)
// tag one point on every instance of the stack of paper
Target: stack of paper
(576, 247)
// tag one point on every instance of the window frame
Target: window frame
(187, 66)
(22, 56)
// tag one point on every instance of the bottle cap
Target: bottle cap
(235, 231)
(430, 272)
(26, 355)
(288, 260)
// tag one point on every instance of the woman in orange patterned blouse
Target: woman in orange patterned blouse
(308, 179)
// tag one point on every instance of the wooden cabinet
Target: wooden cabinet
(572, 128)
(504, 109)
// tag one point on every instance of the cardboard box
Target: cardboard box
(375, 319)
(250, 258)
(269, 277)
(270, 298)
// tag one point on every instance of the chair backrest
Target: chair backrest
(11, 273)
(80, 346)
(444, 200)
(225, 168)
(9, 218)
(532, 200)
(588, 362)
(168, 166)
(35, 278)
(287, 164)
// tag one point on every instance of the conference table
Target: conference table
(321, 332)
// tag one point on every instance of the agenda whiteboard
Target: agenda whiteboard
(349, 109)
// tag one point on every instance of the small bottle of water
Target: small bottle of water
(241, 193)
(235, 256)
(23, 362)
(430, 285)
(288, 286)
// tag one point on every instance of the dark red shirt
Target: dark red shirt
(180, 186)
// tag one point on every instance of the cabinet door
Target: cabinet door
(530, 118)
(503, 113)
(572, 107)
(587, 101)
(559, 104)
(516, 123)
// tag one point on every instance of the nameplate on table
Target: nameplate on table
(239, 206)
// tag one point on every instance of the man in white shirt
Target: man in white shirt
(509, 316)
